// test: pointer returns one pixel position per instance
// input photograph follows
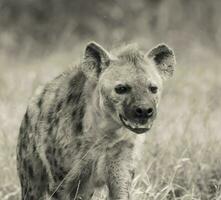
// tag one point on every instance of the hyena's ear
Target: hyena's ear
(164, 59)
(97, 57)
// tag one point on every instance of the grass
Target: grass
(181, 158)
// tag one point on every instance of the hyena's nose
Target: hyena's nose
(142, 114)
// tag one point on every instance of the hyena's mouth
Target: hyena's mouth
(133, 126)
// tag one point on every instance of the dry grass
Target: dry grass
(182, 153)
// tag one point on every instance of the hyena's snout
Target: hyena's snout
(140, 114)
(138, 117)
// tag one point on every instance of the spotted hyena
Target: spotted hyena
(80, 132)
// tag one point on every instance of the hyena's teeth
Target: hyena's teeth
(125, 119)
(127, 123)
(133, 126)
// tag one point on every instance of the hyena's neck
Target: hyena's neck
(96, 121)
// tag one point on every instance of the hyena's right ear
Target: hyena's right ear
(97, 57)
(164, 59)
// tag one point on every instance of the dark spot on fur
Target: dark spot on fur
(31, 197)
(71, 97)
(50, 130)
(30, 171)
(43, 177)
(22, 177)
(107, 63)
(46, 140)
(79, 127)
(25, 190)
(40, 102)
(24, 145)
(76, 85)
(53, 150)
(55, 163)
(78, 142)
(60, 177)
(21, 130)
(50, 116)
(59, 151)
(41, 99)
(59, 174)
(59, 105)
(25, 165)
(75, 97)
(74, 113)
(81, 112)
(62, 170)
(31, 127)
(26, 118)
(132, 173)
(48, 150)
(36, 127)
(56, 121)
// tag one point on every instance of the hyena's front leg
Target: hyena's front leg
(119, 171)
(77, 184)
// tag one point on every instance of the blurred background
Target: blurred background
(38, 27)
(39, 39)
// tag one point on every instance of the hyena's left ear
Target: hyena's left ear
(164, 59)
(97, 57)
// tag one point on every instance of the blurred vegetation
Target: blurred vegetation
(40, 38)
(45, 25)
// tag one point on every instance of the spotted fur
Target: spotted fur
(72, 139)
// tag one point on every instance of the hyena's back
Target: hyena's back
(53, 117)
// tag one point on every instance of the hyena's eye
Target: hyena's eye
(153, 89)
(122, 89)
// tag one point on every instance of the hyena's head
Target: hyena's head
(129, 82)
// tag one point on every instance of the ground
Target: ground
(182, 152)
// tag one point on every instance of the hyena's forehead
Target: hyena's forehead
(131, 55)
(131, 65)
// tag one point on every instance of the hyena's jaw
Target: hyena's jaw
(134, 127)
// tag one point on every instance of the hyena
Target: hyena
(80, 131)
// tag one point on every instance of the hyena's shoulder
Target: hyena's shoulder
(60, 98)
